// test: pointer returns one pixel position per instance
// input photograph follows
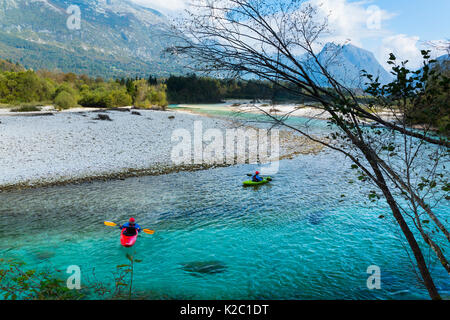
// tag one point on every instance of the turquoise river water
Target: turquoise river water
(297, 237)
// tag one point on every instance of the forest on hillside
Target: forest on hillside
(28, 88)
(19, 86)
(194, 89)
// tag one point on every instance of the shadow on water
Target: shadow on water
(258, 187)
(199, 268)
(317, 217)
(44, 255)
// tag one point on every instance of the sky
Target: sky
(381, 26)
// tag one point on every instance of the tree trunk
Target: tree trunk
(425, 273)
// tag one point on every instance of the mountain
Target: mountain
(444, 62)
(9, 66)
(120, 38)
(344, 63)
(116, 37)
(441, 64)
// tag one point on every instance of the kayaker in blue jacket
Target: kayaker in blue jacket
(131, 227)
(256, 177)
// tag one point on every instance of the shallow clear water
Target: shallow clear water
(294, 238)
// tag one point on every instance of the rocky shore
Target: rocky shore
(76, 147)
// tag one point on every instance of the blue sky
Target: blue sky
(427, 19)
(409, 24)
(380, 26)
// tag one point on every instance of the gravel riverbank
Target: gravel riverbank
(72, 147)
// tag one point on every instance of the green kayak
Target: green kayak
(253, 183)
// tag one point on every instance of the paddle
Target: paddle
(250, 175)
(112, 224)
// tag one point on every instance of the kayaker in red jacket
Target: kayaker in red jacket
(131, 227)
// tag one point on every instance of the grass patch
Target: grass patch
(27, 106)
(26, 109)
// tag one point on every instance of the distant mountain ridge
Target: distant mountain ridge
(444, 61)
(116, 38)
(345, 63)
(119, 38)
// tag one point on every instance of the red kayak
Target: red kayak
(127, 241)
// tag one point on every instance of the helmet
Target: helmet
(257, 172)
(132, 220)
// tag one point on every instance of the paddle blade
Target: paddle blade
(249, 174)
(148, 231)
(110, 224)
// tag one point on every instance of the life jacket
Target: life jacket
(130, 230)
(256, 178)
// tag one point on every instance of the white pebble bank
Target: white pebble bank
(71, 145)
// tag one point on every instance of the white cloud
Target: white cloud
(353, 21)
(166, 6)
(404, 47)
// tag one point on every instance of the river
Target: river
(308, 234)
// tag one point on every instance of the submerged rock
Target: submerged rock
(316, 217)
(44, 255)
(204, 267)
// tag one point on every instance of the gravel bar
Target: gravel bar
(73, 147)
